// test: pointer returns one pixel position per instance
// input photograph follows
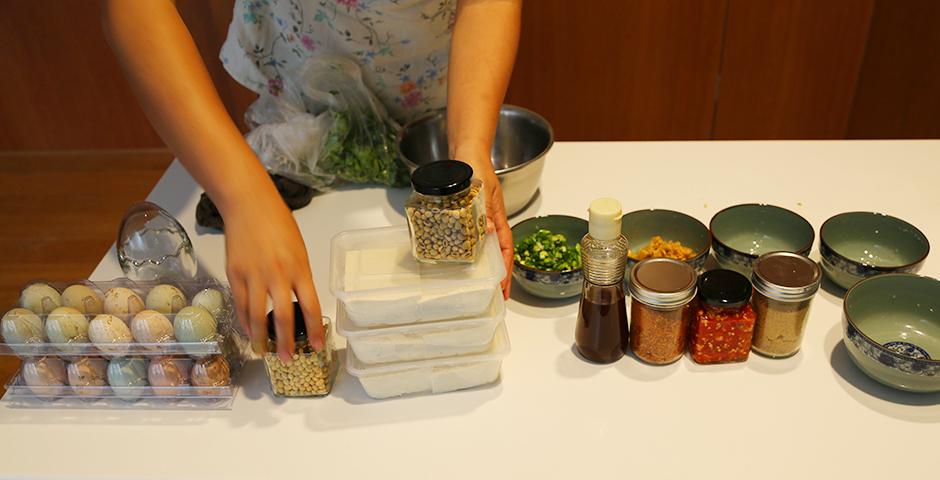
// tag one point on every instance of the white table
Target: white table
(552, 415)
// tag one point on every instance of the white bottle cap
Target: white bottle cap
(604, 219)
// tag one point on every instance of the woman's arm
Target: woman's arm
(265, 251)
(482, 52)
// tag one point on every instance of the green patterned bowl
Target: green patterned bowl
(891, 328)
(857, 245)
(642, 225)
(742, 233)
(543, 283)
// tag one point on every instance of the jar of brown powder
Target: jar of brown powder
(662, 291)
(784, 286)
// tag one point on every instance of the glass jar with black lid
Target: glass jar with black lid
(311, 372)
(446, 213)
(723, 326)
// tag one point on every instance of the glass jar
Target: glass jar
(446, 213)
(724, 320)
(311, 373)
(661, 309)
(784, 286)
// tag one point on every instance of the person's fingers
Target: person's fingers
(257, 304)
(504, 235)
(306, 293)
(240, 293)
(283, 322)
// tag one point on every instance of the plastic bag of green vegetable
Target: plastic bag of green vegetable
(325, 125)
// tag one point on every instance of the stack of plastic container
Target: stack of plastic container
(414, 327)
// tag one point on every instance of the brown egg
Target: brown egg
(211, 371)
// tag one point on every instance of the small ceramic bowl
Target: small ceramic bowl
(642, 225)
(543, 283)
(891, 328)
(742, 233)
(858, 245)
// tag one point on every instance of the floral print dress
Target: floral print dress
(402, 46)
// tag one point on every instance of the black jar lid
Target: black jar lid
(300, 327)
(724, 288)
(443, 177)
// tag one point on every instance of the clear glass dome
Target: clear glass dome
(153, 246)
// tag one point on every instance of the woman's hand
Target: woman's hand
(267, 258)
(495, 208)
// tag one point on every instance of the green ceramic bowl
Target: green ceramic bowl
(742, 233)
(858, 245)
(891, 328)
(543, 283)
(642, 225)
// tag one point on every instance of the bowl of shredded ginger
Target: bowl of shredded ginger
(547, 255)
(657, 233)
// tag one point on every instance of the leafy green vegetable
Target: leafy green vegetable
(362, 150)
(549, 251)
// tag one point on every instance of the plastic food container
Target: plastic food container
(134, 393)
(424, 340)
(431, 376)
(379, 282)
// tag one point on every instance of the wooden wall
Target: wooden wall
(598, 70)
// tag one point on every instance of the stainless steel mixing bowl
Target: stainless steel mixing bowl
(523, 139)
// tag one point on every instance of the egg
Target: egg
(83, 298)
(169, 372)
(67, 325)
(122, 303)
(88, 372)
(151, 326)
(165, 299)
(48, 372)
(211, 371)
(105, 330)
(20, 326)
(194, 324)
(41, 298)
(124, 374)
(212, 300)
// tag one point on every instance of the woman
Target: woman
(402, 47)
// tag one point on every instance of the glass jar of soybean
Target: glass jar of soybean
(311, 373)
(784, 286)
(446, 213)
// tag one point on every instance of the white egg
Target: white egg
(20, 326)
(123, 303)
(194, 324)
(86, 373)
(151, 326)
(41, 298)
(169, 372)
(45, 375)
(83, 298)
(67, 325)
(105, 330)
(166, 299)
(127, 377)
(212, 300)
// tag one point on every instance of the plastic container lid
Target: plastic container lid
(724, 288)
(443, 177)
(786, 276)
(497, 351)
(376, 264)
(494, 314)
(662, 282)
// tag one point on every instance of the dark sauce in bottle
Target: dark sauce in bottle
(602, 333)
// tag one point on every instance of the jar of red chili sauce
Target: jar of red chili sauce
(724, 320)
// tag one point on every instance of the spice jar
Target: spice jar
(661, 309)
(446, 213)
(784, 286)
(311, 373)
(724, 320)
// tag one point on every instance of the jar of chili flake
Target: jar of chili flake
(724, 320)
(663, 290)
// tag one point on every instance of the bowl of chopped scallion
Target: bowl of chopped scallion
(548, 255)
